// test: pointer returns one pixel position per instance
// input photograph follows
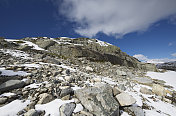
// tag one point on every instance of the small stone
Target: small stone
(32, 112)
(68, 78)
(158, 90)
(97, 79)
(3, 100)
(67, 109)
(89, 69)
(125, 99)
(45, 98)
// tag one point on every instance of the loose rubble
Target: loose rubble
(64, 77)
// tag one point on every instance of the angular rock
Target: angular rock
(125, 99)
(143, 80)
(134, 111)
(45, 44)
(66, 91)
(10, 85)
(67, 109)
(45, 98)
(144, 90)
(32, 112)
(99, 100)
(159, 90)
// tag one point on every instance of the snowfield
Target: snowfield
(169, 77)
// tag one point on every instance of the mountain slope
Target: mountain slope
(41, 76)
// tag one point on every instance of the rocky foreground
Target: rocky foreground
(78, 77)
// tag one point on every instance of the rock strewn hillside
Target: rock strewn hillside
(35, 82)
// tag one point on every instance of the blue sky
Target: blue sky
(147, 28)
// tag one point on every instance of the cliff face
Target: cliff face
(92, 49)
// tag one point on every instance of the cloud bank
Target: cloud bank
(116, 17)
(143, 58)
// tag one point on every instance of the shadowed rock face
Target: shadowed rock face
(93, 50)
(167, 66)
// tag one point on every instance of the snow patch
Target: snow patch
(13, 108)
(102, 43)
(36, 47)
(78, 108)
(169, 77)
(52, 108)
(12, 73)
(7, 94)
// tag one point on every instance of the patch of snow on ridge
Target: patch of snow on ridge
(27, 43)
(169, 77)
(16, 53)
(13, 108)
(32, 45)
(102, 43)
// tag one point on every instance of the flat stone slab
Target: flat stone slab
(143, 80)
(10, 85)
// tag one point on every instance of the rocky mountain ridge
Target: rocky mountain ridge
(167, 66)
(64, 77)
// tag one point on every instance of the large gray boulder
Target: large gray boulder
(10, 85)
(99, 100)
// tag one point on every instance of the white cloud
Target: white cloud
(140, 57)
(174, 54)
(143, 58)
(116, 17)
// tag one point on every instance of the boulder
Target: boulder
(10, 85)
(125, 99)
(159, 90)
(144, 90)
(99, 100)
(45, 98)
(67, 109)
(143, 80)
(45, 43)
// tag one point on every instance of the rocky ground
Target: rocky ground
(38, 80)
